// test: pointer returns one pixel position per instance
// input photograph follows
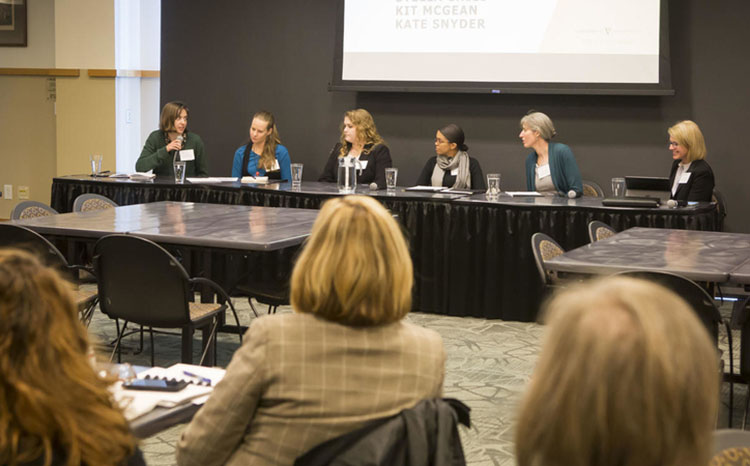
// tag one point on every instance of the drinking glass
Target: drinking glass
(493, 185)
(297, 175)
(391, 176)
(96, 164)
(179, 171)
(618, 187)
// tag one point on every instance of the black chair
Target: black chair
(269, 294)
(31, 209)
(705, 309)
(545, 248)
(721, 207)
(592, 189)
(140, 282)
(90, 201)
(600, 230)
(20, 237)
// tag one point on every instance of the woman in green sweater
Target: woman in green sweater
(171, 142)
(551, 167)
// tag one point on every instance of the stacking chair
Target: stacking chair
(721, 207)
(31, 209)
(705, 309)
(142, 283)
(270, 295)
(90, 201)
(599, 231)
(591, 189)
(20, 237)
(545, 248)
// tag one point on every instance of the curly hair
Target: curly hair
(51, 399)
(366, 131)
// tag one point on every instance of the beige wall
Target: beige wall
(84, 33)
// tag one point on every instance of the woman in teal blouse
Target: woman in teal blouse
(551, 167)
(263, 155)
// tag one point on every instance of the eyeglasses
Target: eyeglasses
(673, 144)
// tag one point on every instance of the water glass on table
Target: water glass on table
(391, 177)
(618, 187)
(179, 171)
(297, 175)
(96, 164)
(493, 185)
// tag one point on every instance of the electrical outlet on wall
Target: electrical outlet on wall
(8, 191)
(23, 192)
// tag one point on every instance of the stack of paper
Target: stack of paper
(255, 179)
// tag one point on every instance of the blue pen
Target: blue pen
(196, 376)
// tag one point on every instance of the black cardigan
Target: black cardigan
(378, 159)
(699, 187)
(477, 178)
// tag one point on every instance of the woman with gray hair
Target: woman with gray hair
(452, 167)
(551, 167)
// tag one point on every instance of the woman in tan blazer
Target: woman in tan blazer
(343, 358)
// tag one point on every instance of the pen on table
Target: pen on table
(205, 380)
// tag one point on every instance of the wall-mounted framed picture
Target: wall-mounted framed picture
(13, 23)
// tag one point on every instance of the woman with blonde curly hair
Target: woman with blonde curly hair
(54, 409)
(360, 140)
(627, 376)
(343, 358)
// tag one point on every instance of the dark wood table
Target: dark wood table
(704, 256)
(472, 256)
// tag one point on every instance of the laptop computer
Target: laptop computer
(648, 187)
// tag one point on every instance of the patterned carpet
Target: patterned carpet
(489, 363)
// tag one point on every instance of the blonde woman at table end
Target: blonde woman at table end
(691, 176)
(263, 155)
(172, 141)
(344, 357)
(54, 408)
(551, 166)
(627, 375)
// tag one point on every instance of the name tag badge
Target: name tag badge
(543, 171)
(363, 163)
(685, 177)
(276, 165)
(454, 172)
(187, 155)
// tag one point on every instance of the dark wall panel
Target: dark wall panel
(230, 59)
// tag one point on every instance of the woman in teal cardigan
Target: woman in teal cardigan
(551, 167)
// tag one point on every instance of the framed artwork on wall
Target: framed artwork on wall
(13, 23)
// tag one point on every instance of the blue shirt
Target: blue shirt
(282, 156)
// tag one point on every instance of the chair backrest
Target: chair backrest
(91, 201)
(731, 447)
(697, 297)
(545, 248)
(591, 189)
(17, 236)
(141, 282)
(721, 207)
(600, 230)
(31, 209)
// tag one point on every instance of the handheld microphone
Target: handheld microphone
(373, 186)
(572, 194)
(174, 152)
(676, 203)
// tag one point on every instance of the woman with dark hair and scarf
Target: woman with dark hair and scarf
(452, 167)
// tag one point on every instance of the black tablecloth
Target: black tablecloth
(471, 257)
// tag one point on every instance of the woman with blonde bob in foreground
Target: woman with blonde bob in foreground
(627, 376)
(54, 408)
(343, 358)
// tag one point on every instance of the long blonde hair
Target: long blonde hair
(366, 131)
(355, 268)
(627, 375)
(51, 400)
(268, 157)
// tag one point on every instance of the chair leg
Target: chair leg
(209, 341)
(272, 309)
(117, 342)
(151, 334)
(187, 345)
(250, 301)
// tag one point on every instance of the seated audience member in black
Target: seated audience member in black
(54, 408)
(691, 177)
(452, 167)
(360, 140)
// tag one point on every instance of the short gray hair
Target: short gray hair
(540, 123)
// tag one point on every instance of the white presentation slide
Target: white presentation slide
(528, 41)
